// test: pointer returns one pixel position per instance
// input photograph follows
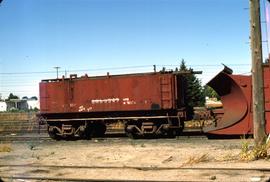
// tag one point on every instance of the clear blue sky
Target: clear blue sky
(37, 35)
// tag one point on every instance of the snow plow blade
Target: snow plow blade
(235, 105)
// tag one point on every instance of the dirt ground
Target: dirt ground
(121, 152)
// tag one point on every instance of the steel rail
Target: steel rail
(24, 138)
(144, 168)
(5, 136)
(80, 179)
(107, 138)
(12, 177)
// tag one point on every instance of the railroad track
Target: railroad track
(80, 179)
(38, 174)
(24, 138)
(143, 168)
(42, 135)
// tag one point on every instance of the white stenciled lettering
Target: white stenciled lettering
(81, 108)
(105, 101)
(124, 101)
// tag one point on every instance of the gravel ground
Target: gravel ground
(120, 152)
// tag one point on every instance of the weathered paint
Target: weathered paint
(151, 91)
(236, 97)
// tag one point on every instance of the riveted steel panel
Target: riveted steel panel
(152, 91)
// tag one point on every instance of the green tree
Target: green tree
(194, 92)
(11, 96)
(211, 93)
(25, 98)
(34, 98)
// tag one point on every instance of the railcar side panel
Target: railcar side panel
(154, 91)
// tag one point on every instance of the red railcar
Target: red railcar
(147, 103)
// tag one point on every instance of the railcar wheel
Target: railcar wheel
(88, 132)
(172, 133)
(131, 133)
(99, 130)
(53, 135)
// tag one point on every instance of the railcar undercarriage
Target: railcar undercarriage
(135, 127)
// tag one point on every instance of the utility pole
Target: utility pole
(257, 74)
(57, 68)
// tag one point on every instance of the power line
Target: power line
(79, 70)
(116, 68)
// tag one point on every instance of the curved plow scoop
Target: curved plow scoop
(235, 105)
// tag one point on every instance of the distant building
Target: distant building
(24, 104)
(17, 104)
(33, 104)
(3, 106)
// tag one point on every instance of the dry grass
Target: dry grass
(227, 158)
(197, 123)
(5, 148)
(196, 159)
(193, 124)
(249, 153)
(169, 159)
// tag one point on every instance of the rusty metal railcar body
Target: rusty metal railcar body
(110, 93)
(236, 96)
(147, 103)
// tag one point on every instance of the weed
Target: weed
(249, 153)
(169, 159)
(245, 152)
(196, 159)
(260, 152)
